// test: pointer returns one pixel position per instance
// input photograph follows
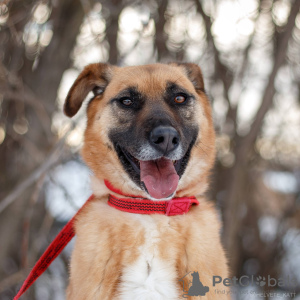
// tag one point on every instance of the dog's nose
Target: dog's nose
(164, 138)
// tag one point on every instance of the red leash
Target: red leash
(134, 204)
(53, 250)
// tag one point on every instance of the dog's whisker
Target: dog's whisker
(203, 150)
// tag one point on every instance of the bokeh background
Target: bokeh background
(249, 51)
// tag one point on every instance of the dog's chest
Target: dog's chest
(152, 275)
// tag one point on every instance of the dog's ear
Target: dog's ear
(94, 77)
(194, 74)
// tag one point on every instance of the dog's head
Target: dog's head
(149, 128)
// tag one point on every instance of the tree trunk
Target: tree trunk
(18, 151)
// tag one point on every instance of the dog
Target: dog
(149, 135)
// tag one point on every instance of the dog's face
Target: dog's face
(149, 128)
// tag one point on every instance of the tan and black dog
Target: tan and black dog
(150, 134)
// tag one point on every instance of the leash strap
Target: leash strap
(53, 250)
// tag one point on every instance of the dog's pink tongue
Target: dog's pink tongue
(160, 177)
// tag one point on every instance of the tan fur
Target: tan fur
(109, 240)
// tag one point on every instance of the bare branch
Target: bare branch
(160, 36)
(238, 176)
(270, 90)
(12, 280)
(48, 164)
(223, 72)
(13, 88)
(112, 28)
(27, 221)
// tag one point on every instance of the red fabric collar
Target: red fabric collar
(140, 205)
(134, 204)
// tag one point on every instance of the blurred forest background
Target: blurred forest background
(249, 51)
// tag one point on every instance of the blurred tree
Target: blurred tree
(30, 77)
(250, 58)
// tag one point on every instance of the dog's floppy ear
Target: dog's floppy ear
(194, 74)
(93, 77)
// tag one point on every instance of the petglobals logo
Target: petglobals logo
(193, 287)
(252, 280)
(267, 286)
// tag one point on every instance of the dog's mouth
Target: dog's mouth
(159, 178)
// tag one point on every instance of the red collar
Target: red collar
(140, 205)
(134, 204)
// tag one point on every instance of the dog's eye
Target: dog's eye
(180, 99)
(97, 90)
(126, 102)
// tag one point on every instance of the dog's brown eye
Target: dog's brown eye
(97, 90)
(127, 102)
(179, 99)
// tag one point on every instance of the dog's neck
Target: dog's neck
(98, 187)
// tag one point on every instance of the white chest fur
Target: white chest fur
(149, 277)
